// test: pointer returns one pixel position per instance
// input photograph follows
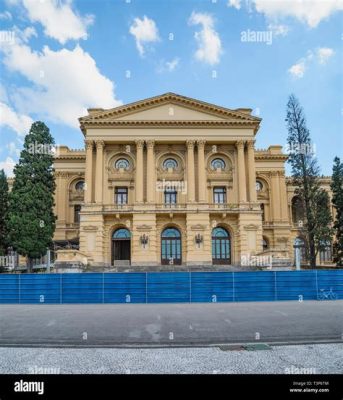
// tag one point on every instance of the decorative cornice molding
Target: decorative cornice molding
(170, 124)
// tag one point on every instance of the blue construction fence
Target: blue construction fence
(174, 287)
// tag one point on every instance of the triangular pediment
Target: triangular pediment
(168, 107)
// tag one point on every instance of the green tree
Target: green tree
(337, 201)
(3, 213)
(305, 174)
(31, 217)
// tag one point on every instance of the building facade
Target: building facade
(172, 180)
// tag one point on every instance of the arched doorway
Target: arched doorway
(121, 245)
(171, 252)
(221, 246)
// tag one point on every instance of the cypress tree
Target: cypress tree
(31, 216)
(305, 174)
(337, 201)
(3, 213)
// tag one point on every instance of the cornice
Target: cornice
(71, 157)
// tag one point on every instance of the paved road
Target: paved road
(304, 359)
(171, 324)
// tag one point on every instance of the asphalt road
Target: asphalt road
(171, 324)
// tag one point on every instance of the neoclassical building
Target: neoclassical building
(171, 180)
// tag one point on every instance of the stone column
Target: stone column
(99, 181)
(89, 172)
(252, 171)
(190, 171)
(275, 195)
(202, 181)
(151, 173)
(242, 189)
(283, 196)
(139, 171)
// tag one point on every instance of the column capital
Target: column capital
(201, 143)
(89, 144)
(150, 143)
(251, 144)
(190, 143)
(139, 143)
(240, 144)
(99, 144)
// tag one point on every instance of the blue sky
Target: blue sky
(60, 57)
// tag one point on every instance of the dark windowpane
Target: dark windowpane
(219, 195)
(77, 210)
(121, 195)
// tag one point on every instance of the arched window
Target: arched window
(80, 185)
(170, 163)
(259, 186)
(171, 246)
(265, 244)
(297, 210)
(325, 253)
(218, 163)
(221, 246)
(122, 163)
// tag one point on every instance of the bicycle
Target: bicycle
(327, 295)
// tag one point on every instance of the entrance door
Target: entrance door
(221, 247)
(121, 245)
(171, 247)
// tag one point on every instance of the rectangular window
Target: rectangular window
(219, 195)
(170, 196)
(77, 210)
(121, 195)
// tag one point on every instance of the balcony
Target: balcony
(178, 207)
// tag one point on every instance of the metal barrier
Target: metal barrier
(174, 287)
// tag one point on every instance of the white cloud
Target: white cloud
(19, 123)
(323, 54)
(13, 149)
(168, 66)
(311, 12)
(145, 31)
(298, 69)
(65, 83)
(235, 3)
(278, 29)
(8, 166)
(6, 15)
(59, 20)
(171, 65)
(209, 44)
